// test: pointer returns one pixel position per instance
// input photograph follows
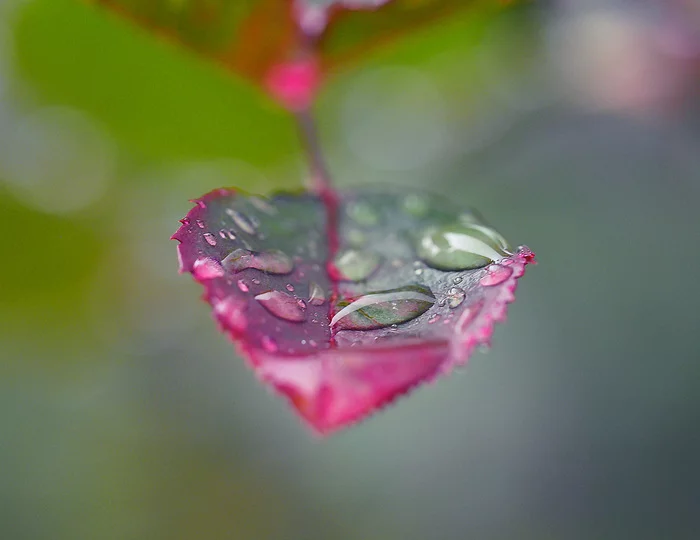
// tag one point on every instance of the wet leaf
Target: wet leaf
(284, 45)
(344, 307)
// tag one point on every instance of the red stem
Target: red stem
(320, 184)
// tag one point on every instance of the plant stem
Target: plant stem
(319, 179)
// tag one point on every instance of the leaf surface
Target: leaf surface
(344, 307)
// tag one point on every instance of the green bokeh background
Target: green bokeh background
(124, 413)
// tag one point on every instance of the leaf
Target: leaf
(283, 43)
(344, 307)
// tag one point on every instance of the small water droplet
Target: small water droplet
(200, 223)
(458, 247)
(374, 310)
(301, 303)
(316, 295)
(355, 265)
(269, 344)
(209, 237)
(207, 268)
(313, 343)
(231, 313)
(419, 271)
(416, 205)
(230, 235)
(289, 287)
(263, 205)
(241, 221)
(255, 281)
(495, 275)
(363, 213)
(457, 280)
(435, 317)
(222, 234)
(455, 296)
(272, 262)
(282, 305)
(243, 286)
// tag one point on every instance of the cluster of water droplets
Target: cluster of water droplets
(464, 246)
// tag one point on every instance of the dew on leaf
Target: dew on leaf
(200, 224)
(355, 264)
(241, 221)
(316, 295)
(495, 275)
(272, 262)
(289, 287)
(207, 268)
(457, 247)
(455, 296)
(209, 237)
(457, 280)
(243, 286)
(383, 308)
(282, 305)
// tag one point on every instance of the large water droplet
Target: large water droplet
(209, 237)
(455, 296)
(316, 295)
(355, 264)
(282, 305)
(495, 275)
(458, 247)
(207, 268)
(384, 308)
(241, 221)
(272, 262)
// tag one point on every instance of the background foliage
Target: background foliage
(124, 413)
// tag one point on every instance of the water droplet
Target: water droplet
(375, 310)
(455, 296)
(290, 287)
(316, 295)
(209, 237)
(495, 275)
(243, 286)
(355, 265)
(207, 268)
(272, 262)
(263, 205)
(457, 280)
(222, 234)
(458, 247)
(230, 235)
(282, 305)
(363, 213)
(416, 205)
(185, 221)
(435, 317)
(269, 344)
(313, 343)
(200, 223)
(255, 281)
(419, 271)
(241, 221)
(231, 313)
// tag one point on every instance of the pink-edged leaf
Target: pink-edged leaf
(343, 307)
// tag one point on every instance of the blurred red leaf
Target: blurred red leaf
(251, 37)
